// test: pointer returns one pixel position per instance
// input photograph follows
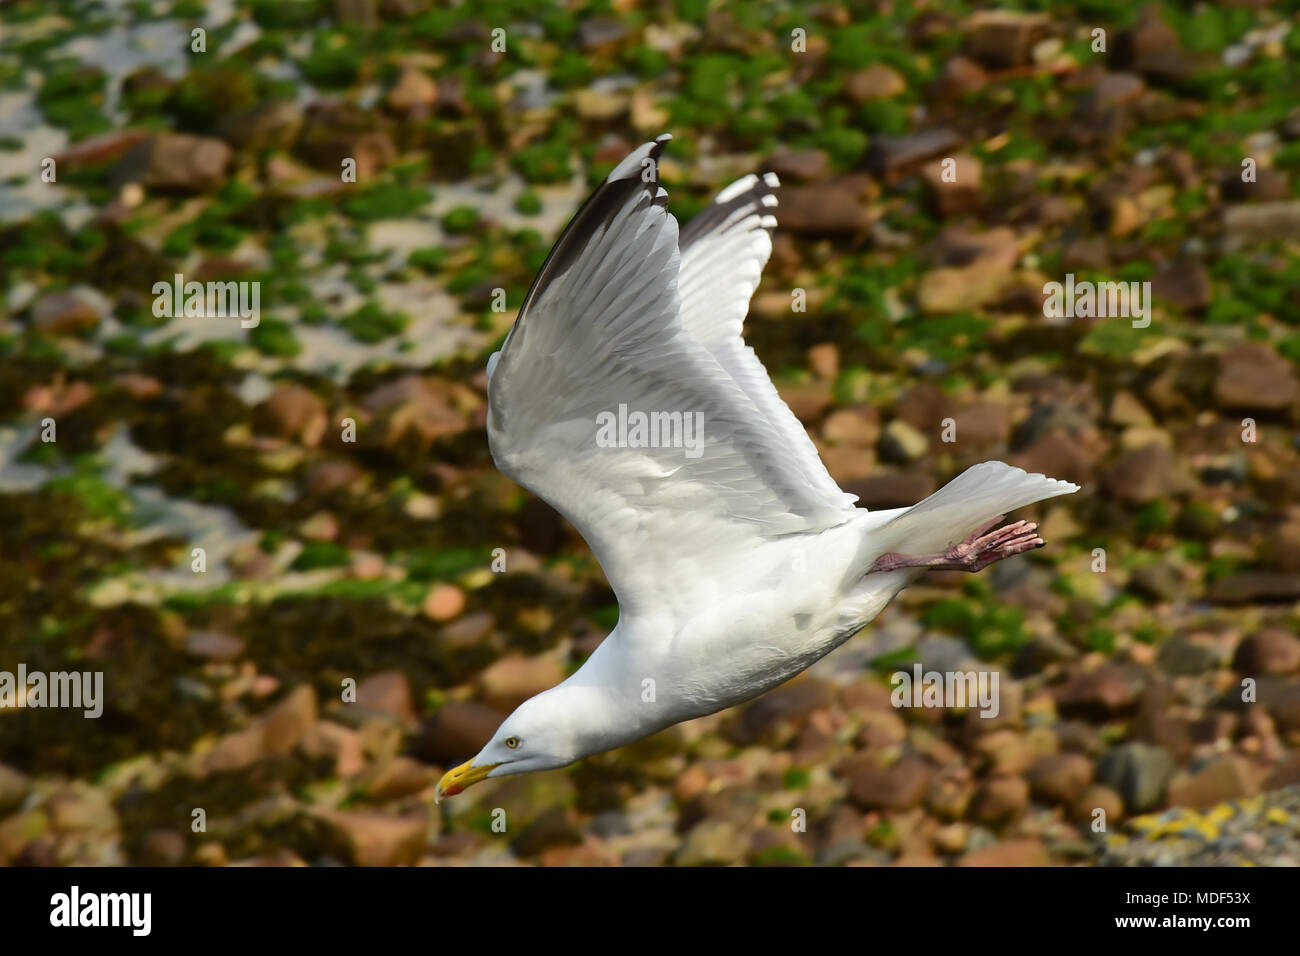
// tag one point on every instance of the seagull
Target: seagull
(625, 397)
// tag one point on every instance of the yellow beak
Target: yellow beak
(458, 778)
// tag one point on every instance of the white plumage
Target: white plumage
(738, 568)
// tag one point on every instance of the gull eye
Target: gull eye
(512, 743)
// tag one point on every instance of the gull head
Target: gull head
(553, 729)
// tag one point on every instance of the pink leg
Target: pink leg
(977, 552)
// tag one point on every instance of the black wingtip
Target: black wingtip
(657, 148)
(624, 180)
(633, 162)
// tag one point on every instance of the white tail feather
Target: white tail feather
(974, 498)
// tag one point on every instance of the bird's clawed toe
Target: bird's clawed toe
(984, 547)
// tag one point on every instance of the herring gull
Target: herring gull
(735, 558)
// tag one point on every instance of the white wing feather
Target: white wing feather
(602, 327)
(724, 250)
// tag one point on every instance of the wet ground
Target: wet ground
(204, 530)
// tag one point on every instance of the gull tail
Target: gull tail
(972, 499)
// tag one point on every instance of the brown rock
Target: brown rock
(414, 93)
(389, 693)
(835, 206)
(163, 848)
(891, 489)
(1249, 587)
(1125, 409)
(1007, 751)
(961, 76)
(892, 157)
(1059, 778)
(335, 131)
(555, 827)
(376, 839)
(1086, 252)
(801, 166)
(19, 831)
(1270, 185)
(1183, 283)
(427, 408)
(513, 679)
(343, 744)
(137, 385)
(1262, 222)
(999, 800)
(600, 106)
(1182, 654)
(1283, 546)
(175, 161)
(1099, 695)
(285, 724)
(80, 807)
(1284, 707)
(443, 602)
(954, 187)
(961, 288)
(1115, 88)
(469, 630)
(102, 149)
(1009, 853)
(1253, 376)
(1214, 726)
(270, 125)
(213, 645)
(1227, 778)
(1059, 455)
(786, 704)
(330, 476)
(1270, 651)
(808, 401)
(880, 730)
(924, 407)
(900, 786)
(14, 787)
(959, 245)
(294, 412)
(395, 778)
(984, 423)
(950, 793)
(1004, 38)
(600, 32)
(234, 751)
(824, 360)
(362, 12)
(61, 313)
(1150, 34)
(367, 566)
(712, 842)
(1142, 475)
(1151, 47)
(876, 82)
(1285, 774)
(951, 838)
(1094, 798)
(857, 425)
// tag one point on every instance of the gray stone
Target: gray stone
(1139, 773)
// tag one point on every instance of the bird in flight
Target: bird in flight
(625, 397)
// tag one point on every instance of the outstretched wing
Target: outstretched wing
(600, 341)
(724, 250)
